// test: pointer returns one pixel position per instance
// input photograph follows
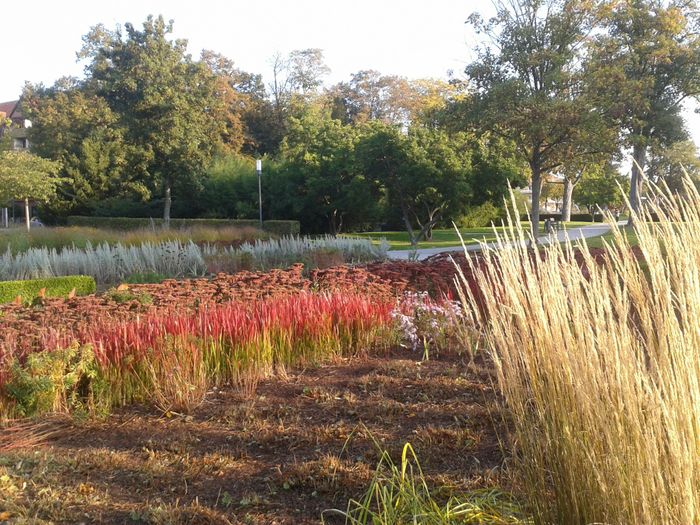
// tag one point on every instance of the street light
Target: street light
(258, 169)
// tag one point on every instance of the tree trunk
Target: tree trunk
(639, 154)
(336, 223)
(166, 207)
(566, 200)
(409, 227)
(536, 192)
(27, 219)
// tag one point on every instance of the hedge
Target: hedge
(55, 287)
(133, 223)
(578, 217)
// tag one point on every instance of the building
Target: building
(17, 128)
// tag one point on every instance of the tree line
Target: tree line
(560, 88)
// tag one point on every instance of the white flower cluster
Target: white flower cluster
(421, 320)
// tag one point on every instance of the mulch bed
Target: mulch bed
(302, 444)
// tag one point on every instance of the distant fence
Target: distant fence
(134, 223)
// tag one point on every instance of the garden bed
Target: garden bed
(295, 449)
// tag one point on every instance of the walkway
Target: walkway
(582, 232)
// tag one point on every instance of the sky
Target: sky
(411, 38)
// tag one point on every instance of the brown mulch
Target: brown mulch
(302, 444)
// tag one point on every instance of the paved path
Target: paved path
(582, 232)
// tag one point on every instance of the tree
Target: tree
(296, 79)
(527, 82)
(250, 125)
(645, 65)
(25, 177)
(601, 187)
(78, 129)
(318, 178)
(369, 95)
(166, 102)
(669, 165)
(424, 173)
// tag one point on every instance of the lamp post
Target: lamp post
(258, 169)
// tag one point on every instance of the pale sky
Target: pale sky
(411, 38)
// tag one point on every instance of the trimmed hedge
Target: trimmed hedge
(134, 223)
(55, 287)
(578, 217)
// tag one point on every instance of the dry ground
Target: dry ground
(282, 456)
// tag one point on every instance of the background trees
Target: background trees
(527, 79)
(165, 101)
(425, 174)
(559, 89)
(644, 64)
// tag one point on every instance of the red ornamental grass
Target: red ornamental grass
(296, 317)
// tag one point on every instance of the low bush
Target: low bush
(105, 263)
(277, 227)
(52, 286)
(279, 253)
(481, 216)
(18, 240)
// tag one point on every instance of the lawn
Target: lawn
(597, 242)
(444, 238)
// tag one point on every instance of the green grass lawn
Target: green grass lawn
(444, 238)
(597, 242)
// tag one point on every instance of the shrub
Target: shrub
(105, 263)
(59, 381)
(81, 236)
(282, 227)
(132, 223)
(481, 216)
(279, 253)
(599, 366)
(53, 287)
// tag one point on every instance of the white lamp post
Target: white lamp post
(258, 169)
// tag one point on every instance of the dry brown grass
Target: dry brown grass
(600, 368)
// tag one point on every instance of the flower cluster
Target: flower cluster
(424, 322)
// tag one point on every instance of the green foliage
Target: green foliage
(127, 296)
(643, 66)
(230, 189)
(80, 130)
(57, 381)
(400, 494)
(480, 216)
(54, 286)
(601, 188)
(669, 165)
(26, 176)
(319, 180)
(529, 85)
(424, 174)
(162, 98)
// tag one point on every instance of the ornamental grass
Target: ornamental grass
(170, 357)
(599, 366)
